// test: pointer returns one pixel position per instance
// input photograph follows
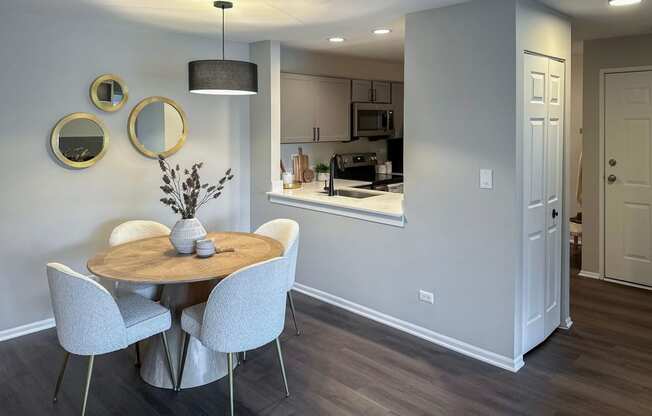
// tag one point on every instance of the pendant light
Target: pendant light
(221, 76)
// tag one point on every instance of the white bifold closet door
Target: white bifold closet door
(543, 145)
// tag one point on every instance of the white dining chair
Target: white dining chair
(287, 233)
(132, 231)
(246, 310)
(91, 322)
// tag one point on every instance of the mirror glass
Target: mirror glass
(79, 140)
(109, 93)
(157, 127)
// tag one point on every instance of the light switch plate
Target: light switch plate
(486, 179)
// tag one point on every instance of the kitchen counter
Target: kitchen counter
(383, 207)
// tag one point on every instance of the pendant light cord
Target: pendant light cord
(223, 54)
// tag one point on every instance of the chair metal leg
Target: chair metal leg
(294, 318)
(137, 347)
(169, 359)
(66, 356)
(280, 359)
(182, 364)
(231, 398)
(88, 383)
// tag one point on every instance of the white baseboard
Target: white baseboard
(566, 325)
(19, 331)
(621, 282)
(590, 275)
(511, 364)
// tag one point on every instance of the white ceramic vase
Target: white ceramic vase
(185, 233)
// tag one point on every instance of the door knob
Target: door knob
(611, 178)
(555, 214)
(612, 162)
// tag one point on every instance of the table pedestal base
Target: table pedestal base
(203, 366)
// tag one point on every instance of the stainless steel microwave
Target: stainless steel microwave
(372, 120)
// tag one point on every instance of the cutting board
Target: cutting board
(300, 163)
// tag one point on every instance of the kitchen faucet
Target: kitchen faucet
(331, 175)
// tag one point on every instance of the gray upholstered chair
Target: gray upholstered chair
(132, 231)
(287, 232)
(244, 311)
(91, 322)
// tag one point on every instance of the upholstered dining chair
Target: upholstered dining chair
(125, 233)
(91, 322)
(131, 231)
(287, 233)
(244, 311)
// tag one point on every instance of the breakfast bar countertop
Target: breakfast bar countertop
(382, 207)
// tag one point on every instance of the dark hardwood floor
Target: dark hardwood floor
(346, 365)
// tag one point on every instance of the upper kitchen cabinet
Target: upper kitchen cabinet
(298, 109)
(314, 109)
(397, 103)
(364, 91)
(333, 113)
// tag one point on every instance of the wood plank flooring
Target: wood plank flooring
(346, 365)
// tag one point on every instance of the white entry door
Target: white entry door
(628, 177)
(543, 144)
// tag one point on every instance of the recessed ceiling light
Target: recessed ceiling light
(336, 39)
(623, 2)
(382, 31)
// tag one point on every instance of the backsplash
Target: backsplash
(321, 152)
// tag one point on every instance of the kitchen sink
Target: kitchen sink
(350, 193)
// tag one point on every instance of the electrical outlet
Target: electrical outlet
(427, 297)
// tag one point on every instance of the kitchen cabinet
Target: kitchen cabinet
(314, 109)
(397, 103)
(365, 91)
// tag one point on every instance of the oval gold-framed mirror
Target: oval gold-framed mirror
(109, 92)
(158, 126)
(79, 140)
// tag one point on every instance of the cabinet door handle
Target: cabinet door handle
(314, 134)
(374, 95)
(371, 94)
(318, 133)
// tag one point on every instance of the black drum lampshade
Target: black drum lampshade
(223, 77)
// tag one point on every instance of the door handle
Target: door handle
(611, 179)
(318, 133)
(612, 162)
(314, 134)
(555, 214)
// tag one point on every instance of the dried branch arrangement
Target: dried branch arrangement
(185, 194)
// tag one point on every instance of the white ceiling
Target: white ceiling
(593, 19)
(307, 24)
(303, 24)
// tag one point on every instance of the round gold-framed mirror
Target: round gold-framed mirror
(79, 140)
(109, 92)
(158, 126)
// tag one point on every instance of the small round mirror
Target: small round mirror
(157, 126)
(79, 140)
(109, 92)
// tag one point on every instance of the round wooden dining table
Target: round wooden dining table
(185, 280)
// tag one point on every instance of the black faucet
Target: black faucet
(331, 176)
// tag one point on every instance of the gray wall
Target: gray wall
(459, 241)
(51, 213)
(601, 54)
